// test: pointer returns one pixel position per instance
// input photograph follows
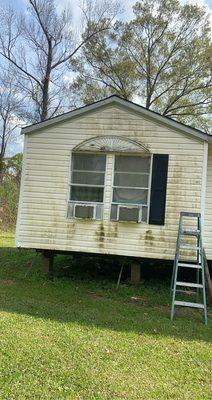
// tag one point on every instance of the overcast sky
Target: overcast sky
(20, 5)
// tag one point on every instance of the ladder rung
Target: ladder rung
(188, 304)
(185, 291)
(187, 247)
(189, 284)
(191, 232)
(190, 214)
(196, 266)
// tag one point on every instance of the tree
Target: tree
(10, 107)
(9, 191)
(40, 45)
(103, 69)
(162, 57)
(13, 167)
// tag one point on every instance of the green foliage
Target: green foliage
(9, 191)
(104, 69)
(83, 339)
(162, 56)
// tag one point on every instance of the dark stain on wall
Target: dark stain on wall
(100, 235)
(149, 237)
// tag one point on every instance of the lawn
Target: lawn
(79, 338)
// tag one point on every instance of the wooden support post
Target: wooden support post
(135, 272)
(120, 275)
(48, 263)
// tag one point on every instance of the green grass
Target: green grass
(80, 338)
(7, 239)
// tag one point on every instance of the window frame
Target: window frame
(140, 206)
(110, 202)
(74, 203)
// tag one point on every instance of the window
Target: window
(129, 185)
(130, 188)
(87, 185)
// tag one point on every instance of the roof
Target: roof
(116, 100)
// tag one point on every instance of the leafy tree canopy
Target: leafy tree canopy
(161, 59)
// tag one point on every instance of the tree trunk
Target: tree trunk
(1, 168)
(2, 153)
(45, 99)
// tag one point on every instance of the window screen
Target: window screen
(87, 177)
(131, 184)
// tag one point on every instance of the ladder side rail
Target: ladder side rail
(198, 256)
(177, 252)
(175, 270)
(203, 277)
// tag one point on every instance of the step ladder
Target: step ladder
(179, 286)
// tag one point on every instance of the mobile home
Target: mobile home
(111, 178)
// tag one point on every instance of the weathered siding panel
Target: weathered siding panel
(43, 222)
(207, 238)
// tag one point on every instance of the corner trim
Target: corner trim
(204, 182)
(20, 202)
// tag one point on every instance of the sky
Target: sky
(20, 5)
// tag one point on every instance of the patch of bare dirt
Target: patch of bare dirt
(94, 295)
(6, 282)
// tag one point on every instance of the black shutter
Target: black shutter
(158, 189)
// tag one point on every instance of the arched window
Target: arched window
(128, 172)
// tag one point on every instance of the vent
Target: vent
(128, 214)
(84, 211)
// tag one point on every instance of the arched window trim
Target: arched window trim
(111, 144)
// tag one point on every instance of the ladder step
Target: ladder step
(189, 284)
(188, 304)
(196, 266)
(185, 291)
(188, 247)
(190, 214)
(191, 232)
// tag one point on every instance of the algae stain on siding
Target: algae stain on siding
(70, 230)
(105, 233)
(149, 237)
(100, 235)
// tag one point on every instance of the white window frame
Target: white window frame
(87, 185)
(133, 205)
(83, 202)
(111, 188)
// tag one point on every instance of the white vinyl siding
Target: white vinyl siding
(43, 221)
